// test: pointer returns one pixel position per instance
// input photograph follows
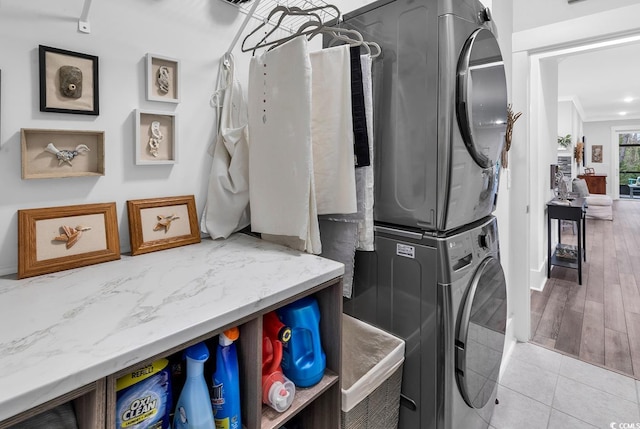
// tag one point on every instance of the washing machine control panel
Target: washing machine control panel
(460, 251)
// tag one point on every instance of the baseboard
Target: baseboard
(509, 344)
(538, 277)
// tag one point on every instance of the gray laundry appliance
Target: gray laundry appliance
(444, 293)
(440, 106)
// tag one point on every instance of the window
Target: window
(629, 156)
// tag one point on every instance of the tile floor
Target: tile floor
(541, 389)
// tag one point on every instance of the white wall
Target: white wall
(570, 122)
(530, 14)
(122, 32)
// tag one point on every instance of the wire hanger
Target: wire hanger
(287, 12)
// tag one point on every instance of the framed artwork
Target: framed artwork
(61, 153)
(68, 82)
(60, 238)
(162, 223)
(596, 153)
(163, 79)
(156, 141)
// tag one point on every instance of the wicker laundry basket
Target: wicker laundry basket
(372, 361)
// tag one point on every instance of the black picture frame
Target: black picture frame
(52, 98)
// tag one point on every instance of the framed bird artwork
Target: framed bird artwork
(162, 223)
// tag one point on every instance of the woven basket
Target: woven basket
(379, 410)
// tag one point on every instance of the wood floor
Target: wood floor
(598, 322)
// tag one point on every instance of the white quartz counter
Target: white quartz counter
(61, 331)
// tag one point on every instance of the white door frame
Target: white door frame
(615, 154)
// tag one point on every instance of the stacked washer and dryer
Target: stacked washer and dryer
(435, 277)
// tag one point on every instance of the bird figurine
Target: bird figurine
(164, 222)
(66, 155)
(71, 235)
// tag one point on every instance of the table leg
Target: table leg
(580, 244)
(549, 246)
(584, 235)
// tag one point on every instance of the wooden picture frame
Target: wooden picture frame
(156, 137)
(162, 223)
(60, 238)
(68, 82)
(596, 153)
(46, 153)
(163, 79)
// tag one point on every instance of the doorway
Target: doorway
(535, 66)
(625, 148)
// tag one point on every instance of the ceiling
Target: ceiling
(599, 81)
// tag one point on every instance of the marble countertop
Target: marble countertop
(65, 330)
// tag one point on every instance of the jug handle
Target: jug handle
(267, 346)
(277, 356)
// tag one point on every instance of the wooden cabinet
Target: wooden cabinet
(113, 318)
(318, 406)
(88, 403)
(597, 183)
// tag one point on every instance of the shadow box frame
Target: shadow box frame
(51, 99)
(41, 231)
(168, 147)
(37, 163)
(145, 228)
(153, 64)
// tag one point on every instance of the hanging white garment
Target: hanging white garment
(227, 207)
(365, 226)
(281, 181)
(332, 131)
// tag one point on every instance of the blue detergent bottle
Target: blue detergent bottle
(193, 409)
(225, 397)
(303, 360)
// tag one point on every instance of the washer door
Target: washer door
(481, 98)
(480, 333)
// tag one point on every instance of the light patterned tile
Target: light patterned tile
(560, 420)
(539, 356)
(530, 380)
(518, 411)
(592, 405)
(599, 378)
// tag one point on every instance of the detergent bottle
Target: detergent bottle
(277, 390)
(193, 409)
(225, 398)
(303, 360)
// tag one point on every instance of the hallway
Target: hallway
(598, 322)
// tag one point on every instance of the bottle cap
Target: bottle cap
(229, 336)
(281, 395)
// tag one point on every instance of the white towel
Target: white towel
(365, 227)
(281, 182)
(227, 207)
(332, 131)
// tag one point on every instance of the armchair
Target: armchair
(599, 206)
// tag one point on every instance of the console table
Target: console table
(574, 211)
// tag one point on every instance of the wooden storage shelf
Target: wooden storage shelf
(325, 396)
(88, 402)
(271, 419)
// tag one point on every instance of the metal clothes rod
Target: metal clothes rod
(243, 26)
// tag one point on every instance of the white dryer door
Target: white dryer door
(481, 98)
(480, 333)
